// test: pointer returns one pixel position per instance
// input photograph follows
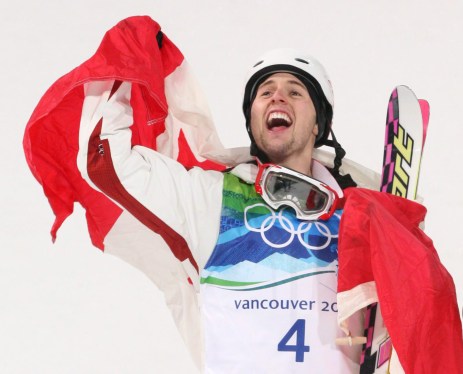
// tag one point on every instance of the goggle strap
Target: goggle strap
(260, 171)
(334, 205)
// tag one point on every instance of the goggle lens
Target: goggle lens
(310, 198)
(283, 187)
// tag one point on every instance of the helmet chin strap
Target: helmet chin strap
(338, 150)
(346, 180)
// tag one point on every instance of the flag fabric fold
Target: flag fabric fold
(177, 124)
(380, 243)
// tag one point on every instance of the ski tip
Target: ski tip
(425, 113)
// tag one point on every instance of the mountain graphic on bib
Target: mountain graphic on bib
(260, 247)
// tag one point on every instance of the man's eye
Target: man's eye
(295, 93)
(265, 93)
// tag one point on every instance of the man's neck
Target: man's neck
(300, 164)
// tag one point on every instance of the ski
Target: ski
(406, 127)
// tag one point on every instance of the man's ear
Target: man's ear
(315, 130)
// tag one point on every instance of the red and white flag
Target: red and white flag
(137, 51)
(384, 256)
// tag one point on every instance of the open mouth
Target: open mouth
(278, 120)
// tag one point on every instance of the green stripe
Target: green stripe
(222, 282)
(286, 281)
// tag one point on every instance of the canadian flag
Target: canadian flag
(135, 50)
(384, 256)
(171, 116)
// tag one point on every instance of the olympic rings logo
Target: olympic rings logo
(301, 231)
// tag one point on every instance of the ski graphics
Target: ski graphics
(406, 127)
(404, 141)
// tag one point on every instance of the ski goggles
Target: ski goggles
(310, 198)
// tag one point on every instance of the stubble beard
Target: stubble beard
(277, 153)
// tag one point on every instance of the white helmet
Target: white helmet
(308, 70)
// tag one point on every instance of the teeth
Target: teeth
(278, 119)
(279, 115)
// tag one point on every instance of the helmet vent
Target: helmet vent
(301, 60)
(257, 64)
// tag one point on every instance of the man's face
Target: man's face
(283, 120)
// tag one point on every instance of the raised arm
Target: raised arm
(181, 206)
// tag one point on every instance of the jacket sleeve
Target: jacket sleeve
(182, 206)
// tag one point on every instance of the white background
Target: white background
(68, 308)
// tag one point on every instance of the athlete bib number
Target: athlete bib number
(297, 333)
(297, 330)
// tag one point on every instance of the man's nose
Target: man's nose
(279, 96)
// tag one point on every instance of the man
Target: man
(268, 278)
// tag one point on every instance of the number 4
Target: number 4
(299, 329)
